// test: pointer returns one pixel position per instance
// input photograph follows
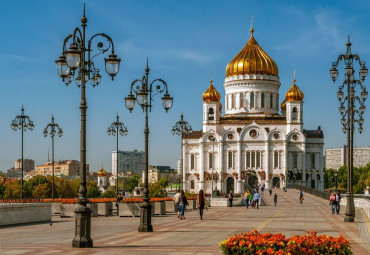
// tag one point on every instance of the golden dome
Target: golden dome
(283, 106)
(252, 59)
(211, 94)
(102, 172)
(294, 94)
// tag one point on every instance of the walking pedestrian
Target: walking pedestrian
(270, 191)
(246, 197)
(118, 199)
(182, 202)
(275, 199)
(256, 199)
(231, 197)
(251, 199)
(301, 197)
(337, 201)
(201, 203)
(332, 202)
(176, 198)
(262, 189)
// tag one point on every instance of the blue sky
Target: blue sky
(185, 41)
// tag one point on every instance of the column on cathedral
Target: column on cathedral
(285, 167)
(239, 181)
(267, 165)
(201, 166)
(321, 170)
(220, 165)
(304, 167)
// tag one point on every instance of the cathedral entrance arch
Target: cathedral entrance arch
(251, 180)
(230, 184)
(276, 182)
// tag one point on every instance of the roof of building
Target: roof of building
(314, 133)
(193, 135)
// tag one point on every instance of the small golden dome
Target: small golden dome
(252, 59)
(102, 172)
(283, 106)
(294, 94)
(211, 94)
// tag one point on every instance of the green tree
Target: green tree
(92, 189)
(158, 189)
(12, 189)
(64, 188)
(2, 189)
(130, 183)
(109, 193)
(42, 191)
(31, 184)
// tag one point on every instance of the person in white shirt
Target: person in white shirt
(176, 198)
(256, 199)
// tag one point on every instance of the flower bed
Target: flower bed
(256, 243)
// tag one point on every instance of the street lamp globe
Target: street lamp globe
(141, 97)
(62, 68)
(112, 64)
(130, 102)
(167, 101)
(73, 56)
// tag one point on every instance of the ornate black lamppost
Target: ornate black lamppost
(351, 109)
(53, 130)
(336, 180)
(78, 59)
(145, 92)
(181, 127)
(212, 139)
(22, 122)
(117, 128)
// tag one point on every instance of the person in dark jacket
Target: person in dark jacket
(231, 197)
(182, 202)
(201, 203)
(275, 199)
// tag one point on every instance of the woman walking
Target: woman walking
(246, 197)
(301, 197)
(201, 203)
(231, 197)
(275, 199)
(332, 203)
(182, 202)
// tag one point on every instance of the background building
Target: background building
(62, 167)
(128, 161)
(337, 157)
(28, 164)
(155, 173)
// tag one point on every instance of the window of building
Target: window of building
(294, 113)
(276, 159)
(258, 159)
(248, 159)
(253, 159)
(233, 101)
(312, 161)
(295, 159)
(192, 184)
(192, 161)
(210, 161)
(241, 100)
(211, 114)
(270, 100)
(263, 100)
(252, 99)
(277, 102)
(230, 157)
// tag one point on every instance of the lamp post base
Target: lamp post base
(146, 218)
(82, 237)
(350, 209)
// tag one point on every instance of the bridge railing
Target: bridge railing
(315, 192)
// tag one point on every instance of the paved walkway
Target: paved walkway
(113, 235)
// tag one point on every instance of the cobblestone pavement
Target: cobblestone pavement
(114, 235)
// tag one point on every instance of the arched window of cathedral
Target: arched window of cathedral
(192, 161)
(294, 113)
(252, 99)
(210, 161)
(211, 114)
(263, 100)
(192, 184)
(276, 159)
(295, 159)
(248, 159)
(230, 159)
(241, 100)
(277, 101)
(253, 159)
(258, 159)
(270, 100)
(233, 101)
(312, 161)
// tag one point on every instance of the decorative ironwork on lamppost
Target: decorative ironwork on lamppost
(182, 127)
(350, 113)
(145, 92)
(117, 128)
(24, 123)
(78, 59)
(212, 139)
(51, 129)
